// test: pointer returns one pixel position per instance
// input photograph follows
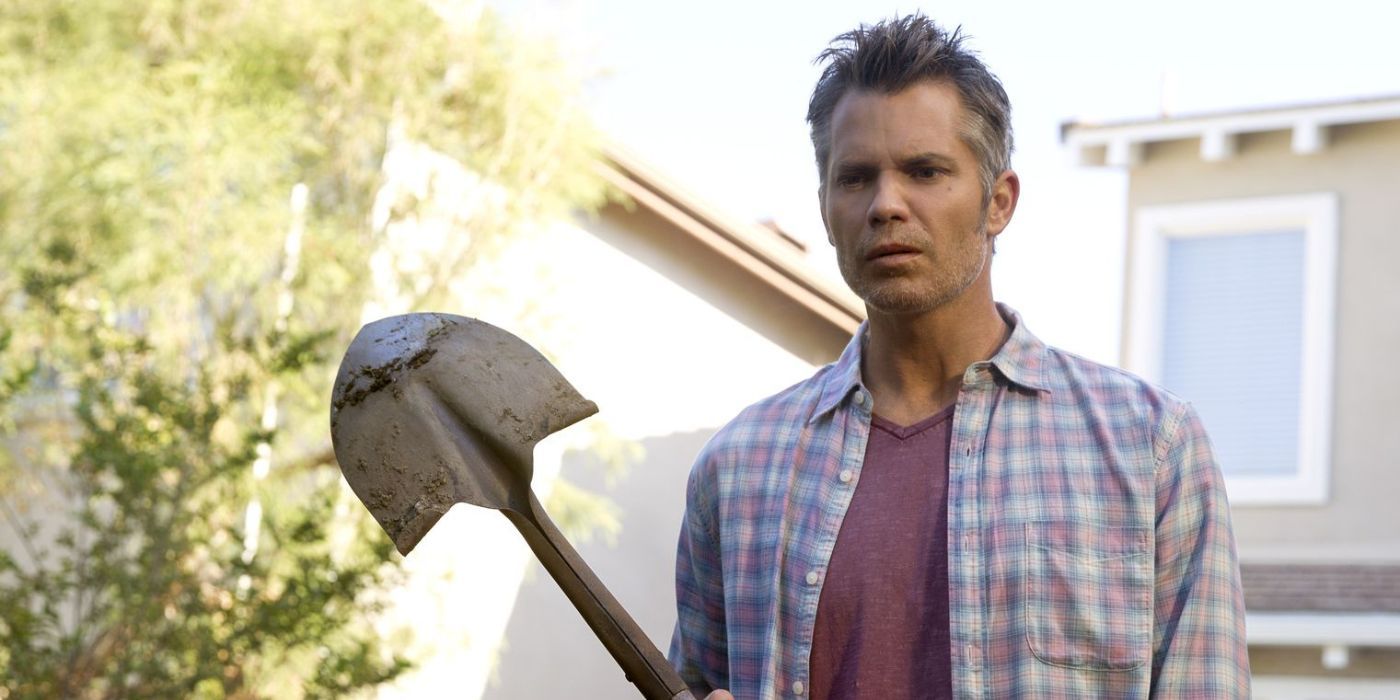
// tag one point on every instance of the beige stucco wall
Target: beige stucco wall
(1361, 519)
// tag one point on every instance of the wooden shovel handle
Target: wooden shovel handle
(644, 665)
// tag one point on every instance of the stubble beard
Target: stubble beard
(950, 279)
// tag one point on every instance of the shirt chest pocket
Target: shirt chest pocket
(1088, 595)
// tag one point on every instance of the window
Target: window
(1232, 309)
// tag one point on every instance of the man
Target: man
(953, 508)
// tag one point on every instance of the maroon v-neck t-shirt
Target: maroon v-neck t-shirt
(882, 619)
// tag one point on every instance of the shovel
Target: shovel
(430, 410)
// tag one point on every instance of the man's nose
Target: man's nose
(887, 202)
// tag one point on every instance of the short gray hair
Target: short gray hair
(893, 55)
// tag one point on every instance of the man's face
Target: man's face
(902, 201)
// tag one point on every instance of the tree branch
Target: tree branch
(13, 519)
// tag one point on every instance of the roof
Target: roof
(1350, 588)
(763, 251)
(1318, 604)
(1122, 143)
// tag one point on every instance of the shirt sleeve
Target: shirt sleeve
(699, 648)
(1199, 647)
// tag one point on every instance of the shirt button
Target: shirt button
(797, 687)
(846, 476)
(812, 578)
(860, 398)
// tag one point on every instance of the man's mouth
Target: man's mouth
(891, 251)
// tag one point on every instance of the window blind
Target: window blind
(1232, 343)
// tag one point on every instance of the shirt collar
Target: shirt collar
(844, 374)
(1022, 357)
(1020, 360)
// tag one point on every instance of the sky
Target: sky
(714, 95)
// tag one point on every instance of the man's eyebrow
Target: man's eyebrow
(928, 158)
(856, 165)
(852, 164)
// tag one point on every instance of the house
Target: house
(1263, 284)
(672, 317)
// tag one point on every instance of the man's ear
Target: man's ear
(1006, 191)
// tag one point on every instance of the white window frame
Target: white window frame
(1316, 215)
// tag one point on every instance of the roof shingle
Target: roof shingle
(1352, 588)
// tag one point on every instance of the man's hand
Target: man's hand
(719, 695)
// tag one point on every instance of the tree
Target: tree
(186, 200)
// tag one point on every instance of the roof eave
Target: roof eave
(754, 248)
(1122, 143)
(1320, 629)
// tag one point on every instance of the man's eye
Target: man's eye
(850, 180)
(926, 173)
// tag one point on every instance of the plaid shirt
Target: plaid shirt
(1089, 545)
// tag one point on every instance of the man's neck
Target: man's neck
(913, 365)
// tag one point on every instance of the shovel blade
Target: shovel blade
(430, 410)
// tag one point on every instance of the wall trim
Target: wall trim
(1317, 215)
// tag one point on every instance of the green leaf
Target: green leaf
(148, 153)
